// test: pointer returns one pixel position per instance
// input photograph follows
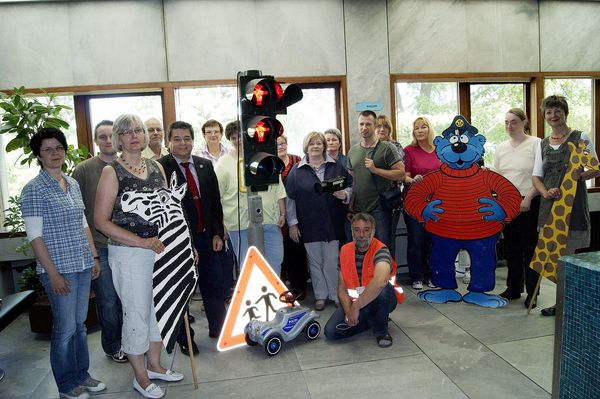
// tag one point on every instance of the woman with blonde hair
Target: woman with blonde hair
(132, 245)
(316, 217)
(419, 159)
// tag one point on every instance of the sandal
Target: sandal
(551, 311)
(384, 341)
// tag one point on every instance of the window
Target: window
(13, 175)
(578, 93)
(437, 101)
(109, 107)
(316, 111)
(489, 103)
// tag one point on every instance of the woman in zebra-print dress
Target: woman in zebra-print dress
(133, 243)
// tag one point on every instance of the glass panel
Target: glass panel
(196, 105)
(437, 101)
(14, 175)
(578, 93)
(145, 106)
(315, 112)
(489, 103)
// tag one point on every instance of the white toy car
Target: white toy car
(288, 323)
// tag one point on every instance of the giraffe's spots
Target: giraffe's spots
(551, 246)
(568, 184)
(559, 210)
(541, 244)
(547, 232)
(537, 265)
(569, 199)
(593, 162)
(561, 225)
(575, 159)
(562, 239)
(542, 257)
(549, 267)
(554, 258)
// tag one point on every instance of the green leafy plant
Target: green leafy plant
(13, 222)
(29, 280)
(24, 115)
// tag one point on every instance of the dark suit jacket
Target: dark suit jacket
(212, 211)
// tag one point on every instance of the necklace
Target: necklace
(562, 136)
(135, 170)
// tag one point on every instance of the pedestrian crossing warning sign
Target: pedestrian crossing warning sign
(256, 296)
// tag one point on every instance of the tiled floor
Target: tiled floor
(440, 351)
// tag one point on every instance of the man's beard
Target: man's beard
(361, 243)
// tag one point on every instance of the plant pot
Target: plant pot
(40, 315)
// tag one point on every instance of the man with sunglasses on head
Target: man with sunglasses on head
(156, 134)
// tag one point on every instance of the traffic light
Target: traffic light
(260, 100)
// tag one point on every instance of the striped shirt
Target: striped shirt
(382, 255)
(459, 191)
(62, 218)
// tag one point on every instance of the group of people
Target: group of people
(344, 237)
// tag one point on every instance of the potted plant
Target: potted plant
(23, 116)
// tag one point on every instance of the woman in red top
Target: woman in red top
(419, 159)
(294, 266)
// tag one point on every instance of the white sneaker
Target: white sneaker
(417, 285)
(467, 277)
(93, 385)
(430, 284)
(151, 391)
(75, 393)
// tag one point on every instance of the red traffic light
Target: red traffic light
(262, 92)
(260, 130)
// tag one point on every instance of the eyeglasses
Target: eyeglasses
(179, 140)
(281, 144)
(154, 129)
(131, 132)
(51, 150)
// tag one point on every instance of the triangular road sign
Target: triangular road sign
(256, 296)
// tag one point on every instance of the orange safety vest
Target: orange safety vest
(348, 267)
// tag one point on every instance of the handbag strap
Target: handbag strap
(371, 174)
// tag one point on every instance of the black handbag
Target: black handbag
(392, 199)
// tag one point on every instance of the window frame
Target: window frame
(533, 91)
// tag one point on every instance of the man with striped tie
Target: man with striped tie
(205, 216)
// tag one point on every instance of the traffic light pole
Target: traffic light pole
(255, 223)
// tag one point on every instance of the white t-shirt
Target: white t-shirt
(516, 163)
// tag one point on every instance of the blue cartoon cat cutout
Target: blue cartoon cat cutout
(463, 206)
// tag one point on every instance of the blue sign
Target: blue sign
(369, 106)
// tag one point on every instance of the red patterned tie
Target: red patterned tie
(189, 177)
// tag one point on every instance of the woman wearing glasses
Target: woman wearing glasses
(67, 261)
(132, 245)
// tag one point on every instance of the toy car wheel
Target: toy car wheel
(273, 345)
(249, 341)
(313, 330)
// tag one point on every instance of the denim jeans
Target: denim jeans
(374, 316)
(273, 246)
(108, 306)
(69, 357)
(383, 223)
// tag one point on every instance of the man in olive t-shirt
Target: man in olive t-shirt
(374, 165)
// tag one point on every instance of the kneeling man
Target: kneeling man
(364, 291)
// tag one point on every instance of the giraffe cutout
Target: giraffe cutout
(552, 240)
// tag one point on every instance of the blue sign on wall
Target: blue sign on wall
(369, 106)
